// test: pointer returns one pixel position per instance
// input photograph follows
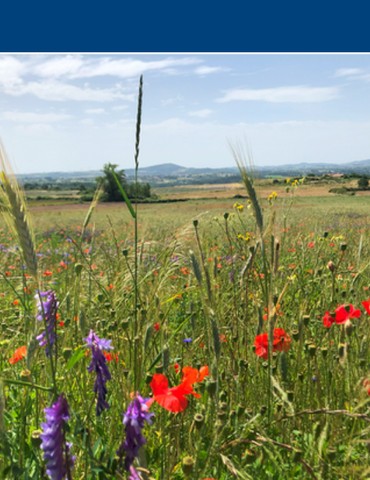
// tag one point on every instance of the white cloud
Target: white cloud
(11, 70)
(31, 117)
(58, 66)
(348, 72)
(293, 94)
(204, 113)
(128, 67)
(59, 91)
(204, 70)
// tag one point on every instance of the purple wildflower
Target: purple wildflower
(47, 306)
(99, 366)
(133, 474)
(187, 340)
(136, 414)
(56, 449)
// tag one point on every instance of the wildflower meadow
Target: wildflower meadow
(226, 345)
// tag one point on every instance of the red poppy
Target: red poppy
(172, 399)
(281, 342)
(328, 320)
(111, 356)
(18, 355)
(176, 367)
(366, 305)
(193, 375)
(157, 326)
(346, 312)
(366, 385)
(48, 273)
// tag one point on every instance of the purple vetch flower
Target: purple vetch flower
(98, 365)
(133, 474)
(187, 340)
(47, 306)
(134, 418)
(53, 443)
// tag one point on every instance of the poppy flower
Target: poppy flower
(18, 355)
(192, 375)
(157, 326)
(366, 305)
(366, 385)
(328, 320)
(172, 399)
(281, 342)
(346, 312)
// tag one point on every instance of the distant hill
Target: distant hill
(171, 173)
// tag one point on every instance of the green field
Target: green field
(198, 286)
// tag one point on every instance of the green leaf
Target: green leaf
(76, 357)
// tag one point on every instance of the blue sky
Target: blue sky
(68, 112)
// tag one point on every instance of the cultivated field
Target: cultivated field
(227, 338)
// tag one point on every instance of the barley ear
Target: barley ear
(14, 209)
(247, 179)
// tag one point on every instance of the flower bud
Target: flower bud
(348, 327)
(188, 465)
(331, 266)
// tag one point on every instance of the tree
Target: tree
(111, 190)
(363, 182)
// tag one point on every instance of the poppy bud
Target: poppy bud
(342, 347)
(295, 334)
(198, 419)
(348, 327)
(226, 215)
(26, 375)
(125, 252)
(343, 247)
(67, 353)
(195, 223)
(324, 351)
(35, 438)
(78, 268)
(331, 266)
(188, 465)
(312, 349)
(290, 395)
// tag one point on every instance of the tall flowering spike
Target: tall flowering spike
(98, 365)
(134, 419)
(47, 306)
(56, 450)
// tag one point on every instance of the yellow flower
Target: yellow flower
(245, 237)
(272, 196)
(238, 206)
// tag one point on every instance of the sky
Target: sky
(76, 112)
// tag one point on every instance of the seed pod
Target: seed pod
(188, 465)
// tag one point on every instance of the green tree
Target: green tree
(363, 182)
(111, 191)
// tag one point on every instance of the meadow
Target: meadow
(216, 338)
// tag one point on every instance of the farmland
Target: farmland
(245, 322)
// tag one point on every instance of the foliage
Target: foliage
(363, 182)
(111, 191)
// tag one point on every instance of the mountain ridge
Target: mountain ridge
(165, 170)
